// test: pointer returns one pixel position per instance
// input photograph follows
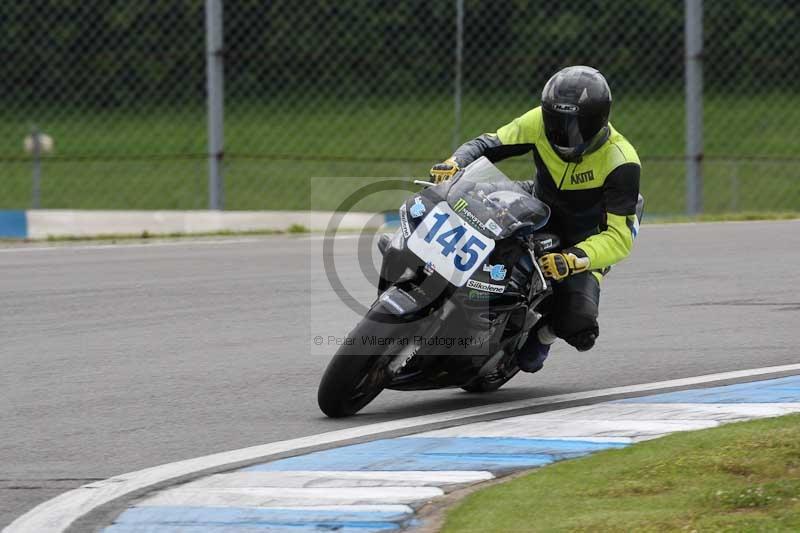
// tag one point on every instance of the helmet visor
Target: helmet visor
(563, 129)
(571, 130)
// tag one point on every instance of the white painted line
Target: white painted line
(575, 429)
(370, 508)
(333, 479)
(593, 440)
(284, 496)
(398, 509)
(344, 237)
(619, 421)
(57, 514)
(132, 245)
(155, 243)
(676, 411)
(715, 222)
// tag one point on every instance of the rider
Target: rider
(588, 174)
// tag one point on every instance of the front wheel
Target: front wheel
(358, 372)
(350, 382)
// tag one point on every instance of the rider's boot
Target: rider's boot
(533, 353)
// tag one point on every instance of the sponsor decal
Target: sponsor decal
(472, 219)
(460, 207)
(404, 226)
(497, 272)
(418, 209)
(569, 108)
(485, 287)
(583, 177)
(494, 227)
(546, 243)
(429, 268)
(478, 296)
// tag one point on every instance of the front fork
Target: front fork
(540, 290)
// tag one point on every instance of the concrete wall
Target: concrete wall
(43, 223)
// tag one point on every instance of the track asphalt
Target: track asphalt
(119, 358)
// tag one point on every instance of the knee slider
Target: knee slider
(579, 330)
(584, 340)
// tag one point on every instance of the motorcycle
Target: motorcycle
(459, 291)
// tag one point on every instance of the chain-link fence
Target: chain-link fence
(373, 88)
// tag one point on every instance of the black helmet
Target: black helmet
(576, 103)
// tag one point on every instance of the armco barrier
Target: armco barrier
(41, 224)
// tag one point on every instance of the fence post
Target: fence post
(694, 106)
(214, 84)
(36, 189)
(459, 72)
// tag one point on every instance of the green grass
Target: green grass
(145, 235)
(738, 477)
(277, 153)
(298, 228)
(725, 217)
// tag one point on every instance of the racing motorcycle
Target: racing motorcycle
(459, 290)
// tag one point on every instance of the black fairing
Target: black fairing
(481, 323)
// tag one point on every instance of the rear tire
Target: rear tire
(484, 385)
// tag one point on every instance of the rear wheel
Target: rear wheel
(493, 381)
(483, 385)
(358, 372)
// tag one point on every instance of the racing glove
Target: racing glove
(444, 171)
(558, 266)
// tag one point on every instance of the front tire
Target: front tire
(350, 382)
(358, 372)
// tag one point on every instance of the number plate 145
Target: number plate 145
(454, 248)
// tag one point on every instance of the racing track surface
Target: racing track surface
(113, 359)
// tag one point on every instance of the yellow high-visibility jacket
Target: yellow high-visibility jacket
(593, 201)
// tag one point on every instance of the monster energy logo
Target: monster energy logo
(460, 207)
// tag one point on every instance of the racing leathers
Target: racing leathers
(593, 203)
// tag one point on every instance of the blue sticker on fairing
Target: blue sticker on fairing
(418, 209)
(497, 272)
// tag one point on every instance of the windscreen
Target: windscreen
(492, 203)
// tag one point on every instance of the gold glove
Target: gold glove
(444, 171)
(560, 265)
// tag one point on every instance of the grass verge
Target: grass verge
(738, 477)
(154, 158)
(293, 229)
(721, 217)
